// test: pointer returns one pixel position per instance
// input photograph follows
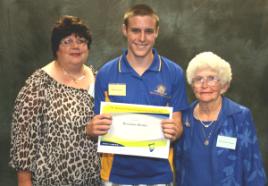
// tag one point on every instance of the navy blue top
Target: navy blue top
(200, 158)
(216, 165)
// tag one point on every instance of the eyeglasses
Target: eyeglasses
(210, 80)
(69, 41)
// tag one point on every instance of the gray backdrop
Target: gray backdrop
(234, 29)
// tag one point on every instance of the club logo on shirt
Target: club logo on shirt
(160, 90)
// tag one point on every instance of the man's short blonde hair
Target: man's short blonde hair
(140, 10)
(209, 60)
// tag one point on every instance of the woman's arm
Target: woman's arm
(253, 170)
(26, 120)
(24, 178)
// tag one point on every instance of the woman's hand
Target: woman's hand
(24, 178)
(99, 125)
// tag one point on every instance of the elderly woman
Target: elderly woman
(219, 145)
(49, 145)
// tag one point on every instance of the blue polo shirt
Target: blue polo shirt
(162, 84)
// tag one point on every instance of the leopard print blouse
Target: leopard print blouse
(48, 136)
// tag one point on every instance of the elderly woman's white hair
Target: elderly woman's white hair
(209, 60)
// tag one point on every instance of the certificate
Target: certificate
(136, 130)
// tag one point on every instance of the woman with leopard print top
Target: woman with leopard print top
(49, 145)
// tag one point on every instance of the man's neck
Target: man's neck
(140, 64)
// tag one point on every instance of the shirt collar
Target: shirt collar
(124, 67)
(229, 107)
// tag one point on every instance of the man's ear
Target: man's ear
(124, 30)
(157, 31)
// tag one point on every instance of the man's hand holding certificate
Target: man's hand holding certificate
(135, 130)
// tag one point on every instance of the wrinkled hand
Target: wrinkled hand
(171, 129)
(99, 125)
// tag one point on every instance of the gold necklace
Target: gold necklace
(207, 137)
(73, 78)
(206, 125)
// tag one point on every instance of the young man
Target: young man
(143, 77)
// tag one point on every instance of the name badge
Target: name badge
(226, 142)
(117, 89)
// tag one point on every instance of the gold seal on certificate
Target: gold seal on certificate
(136, 130)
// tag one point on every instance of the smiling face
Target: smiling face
(207, 87)
(73, 50)
(141, 34)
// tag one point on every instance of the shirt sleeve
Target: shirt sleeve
(179, 98)
(253, 170)
(178, 160)
(25, 119)
(99, 91)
